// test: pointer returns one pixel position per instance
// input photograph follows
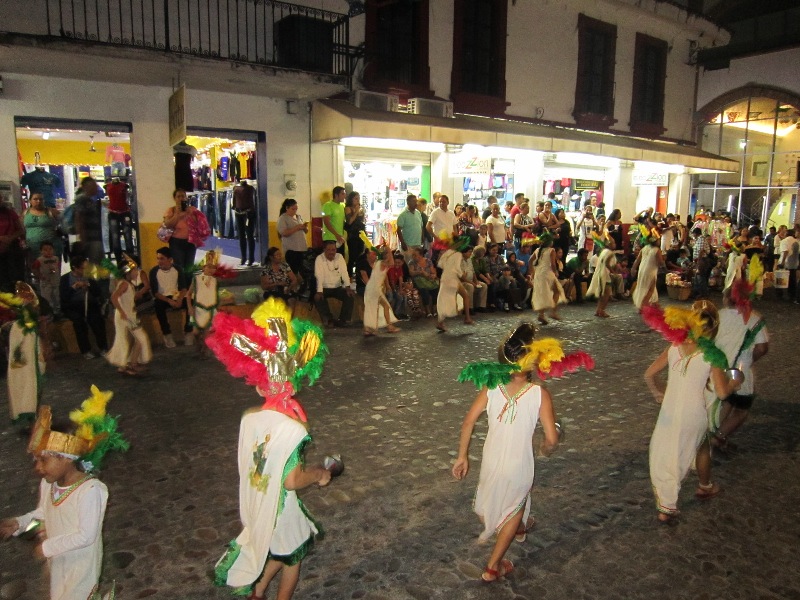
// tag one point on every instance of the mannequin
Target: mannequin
(115, 156)
(184, 180)
(119, 217)
(244, 207)
(40, 181)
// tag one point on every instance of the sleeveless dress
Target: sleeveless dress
(120, 352)
(373, 292)
(646, 278)
(26, 365)
(41, 228)
(681, 427)
(205, 300)
(545, 282)
(602, 274)
(448, 302)
(507, 465)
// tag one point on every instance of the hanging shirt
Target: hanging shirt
(117, 197)
(41, 182)
(115, 154)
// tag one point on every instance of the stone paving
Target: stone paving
(398, 526)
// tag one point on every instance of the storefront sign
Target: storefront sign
(177, 116)
(639, 178)
(469, 167)
(586, 184)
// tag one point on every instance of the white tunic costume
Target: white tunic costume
(448, 302)
(373, 292)
(681, 427)
(545, 282)
(273, 518)
(507, 465)
(602, 273)
(647, 275)
(74, 545)
(25, 367)
(120, 352)
(204, 300)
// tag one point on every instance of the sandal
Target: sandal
(522, 532)
(127, 371)
(506, 568)
(393, 329)
(706, 492)
(542, 320)
(441, 327)
(667, 518)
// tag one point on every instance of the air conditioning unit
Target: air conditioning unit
(375, 101)
(430, 108)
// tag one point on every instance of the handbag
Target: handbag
(423, 283)
(164, 233)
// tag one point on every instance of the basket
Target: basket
(679, 292)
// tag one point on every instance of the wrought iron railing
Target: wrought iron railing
(264, 32)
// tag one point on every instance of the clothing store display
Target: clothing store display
(40, 181)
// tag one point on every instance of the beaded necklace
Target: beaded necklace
(67, 491)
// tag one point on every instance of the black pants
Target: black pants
(341, 294)
(81, 324)
(161, 308)
(120, 223)
(183, 254)
(246, 226)
(12, 268)
(578, 279)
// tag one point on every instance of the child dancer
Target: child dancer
(275, 353)
(376, 304)
(203, 298)
(513, 403)
(681, 432)
(26, 359)
(72, 502)
(129, 358)
(47, 269)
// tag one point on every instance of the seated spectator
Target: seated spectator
(524, 285)
(480, 264)
(399, 283)
(364, 266)
(165, 281)
(425, 279)
(576, 272)
(80, 303)
(333, 281)
(277, 279)
(508, 294)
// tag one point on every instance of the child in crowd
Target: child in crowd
(130, 359)
(513, 405)
(47, 269)
(399, 280)
(506, 288)
(717, 276)
(625, 273)
(72, 502)
(203, 298)
(683, 259)
(483, 236)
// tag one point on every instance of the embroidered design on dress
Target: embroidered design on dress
(257, 478)
(509, 412)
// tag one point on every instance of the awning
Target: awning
(336, 119)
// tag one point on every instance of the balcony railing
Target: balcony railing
(262, 32)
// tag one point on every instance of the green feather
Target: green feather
(712, 354)
(112, 268)
(113, 442)
(487, 374)
(750, 336)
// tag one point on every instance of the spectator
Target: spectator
(47, 270)
(496, 263)
(354, 224)
(87, 221)
(364, 268)
(165, 286)
(333, 281)
(80, 303)
(41, 225)
(442, 221)
(277, 279)
(12, 256)
(292, 230)
(523, 224)
(564, 233)
(576, 271)
(790, 260)
(425, 279)
(399, 280)
(333, 219)
(475, 289)
(480, 264)
(182, 251)
(497, 226)
(488, 210)
(409, 226)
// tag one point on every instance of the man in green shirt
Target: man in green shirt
(577, 269)
(333, 219)
(409, 225)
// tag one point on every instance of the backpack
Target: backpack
(68, 220)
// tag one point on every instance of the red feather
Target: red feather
(237, 363)
(740, 294)
(225, 272)
(569, 364)
(440, 244)
(654, 319)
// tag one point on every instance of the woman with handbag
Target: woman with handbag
(178, 219)
(425, 279)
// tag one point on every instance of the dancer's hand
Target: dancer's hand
(38, 552)
(325, 478)
(7, 528)
(461, 468)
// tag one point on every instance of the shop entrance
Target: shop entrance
(219, 170)
(56, 155)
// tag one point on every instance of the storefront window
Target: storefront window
(761, 133)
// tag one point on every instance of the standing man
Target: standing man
(409, 226)
(434, 202)
(518, 200)
(488, 210)
(441, 221)
(769, 249)
(244, 208)
(790, 259)
(333, 219)
(333, 281)
(87, 221)
(119, 218)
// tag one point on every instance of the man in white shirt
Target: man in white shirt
(164, 284)
(442, 219)
(497, 226)
(333, 281)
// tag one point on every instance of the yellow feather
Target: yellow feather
(94, 406)
(541, 353)
(274, 308)
(756, 269)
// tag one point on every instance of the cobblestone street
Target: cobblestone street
(398, 526)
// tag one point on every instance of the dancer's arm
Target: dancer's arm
(461, 466)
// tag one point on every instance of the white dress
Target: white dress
(602, 273)
(274, 519)
(447, 303)
(507, 465)
(204, 300)
(647, 275)
(373, 292)
(734, 270)
(26, 365)
(120, 352)
(74, 544)
(681, 427)
(545, 282)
